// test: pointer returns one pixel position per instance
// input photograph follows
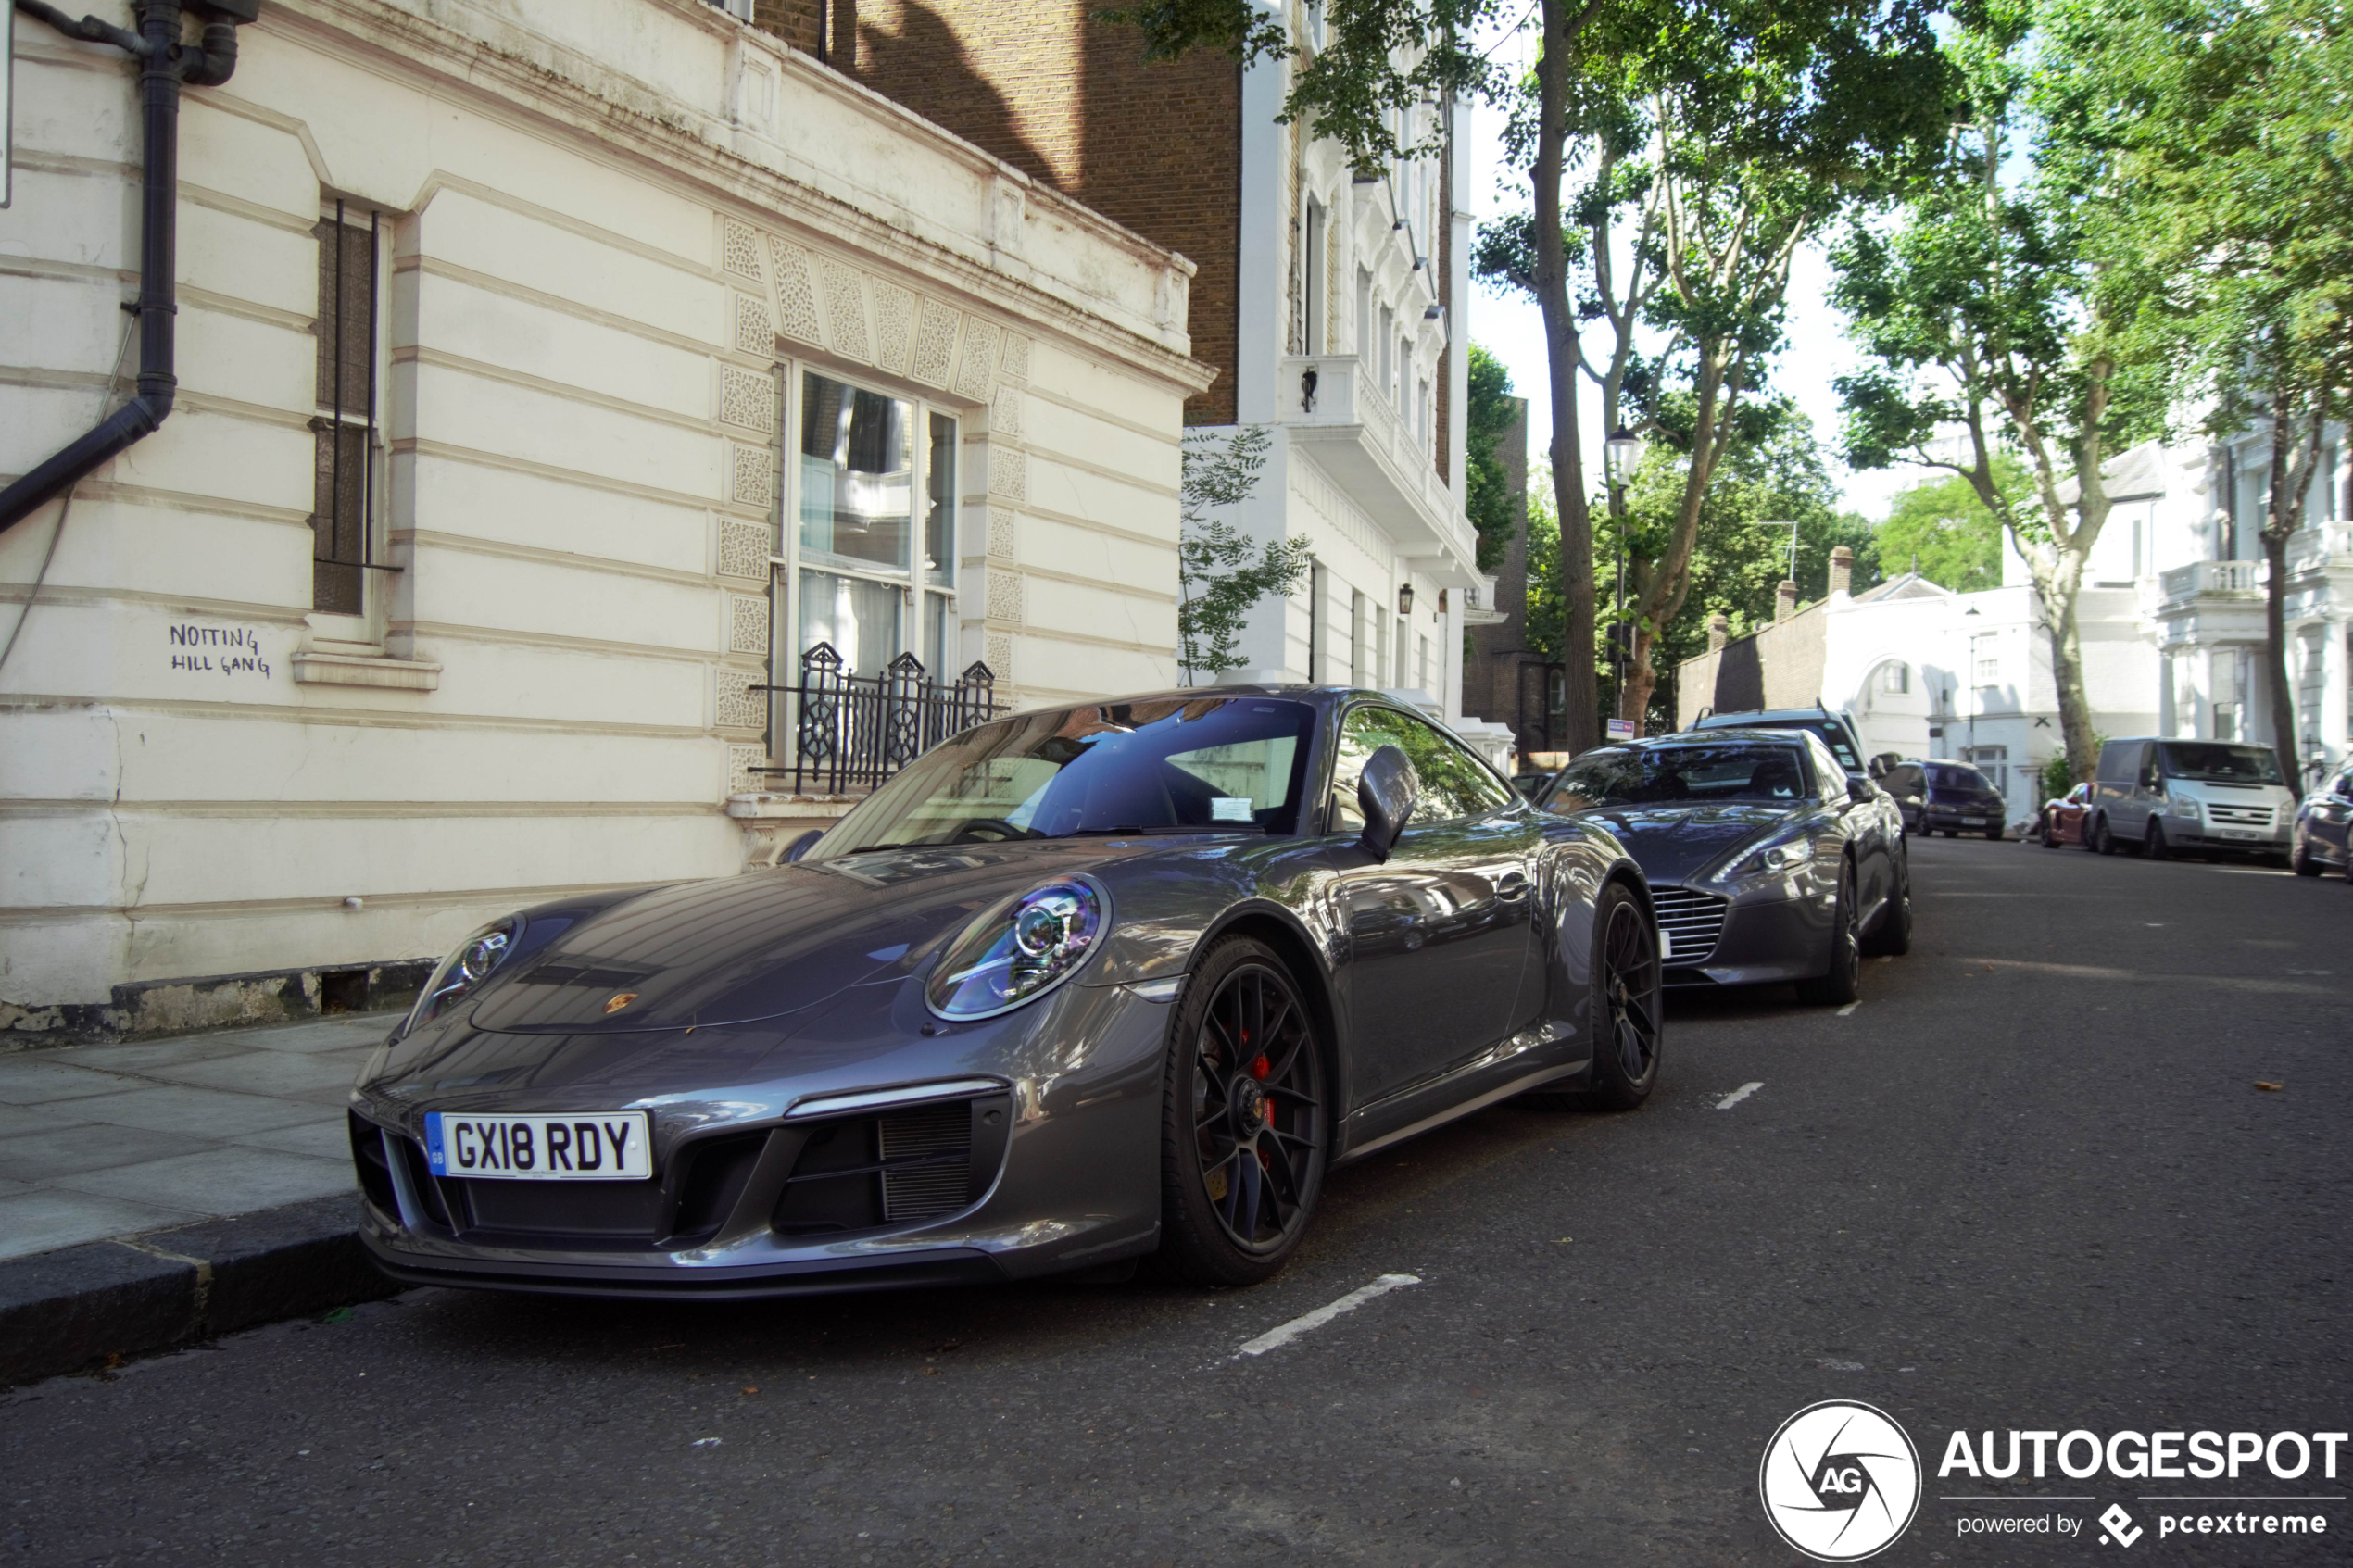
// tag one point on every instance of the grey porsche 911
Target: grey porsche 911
(1075, 987)
(1766, 862)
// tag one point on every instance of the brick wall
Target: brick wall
(1490, 676)
(1070, 101)
(795, 21)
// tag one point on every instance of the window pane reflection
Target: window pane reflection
(859, 618)
(939, 513)
(857, 476)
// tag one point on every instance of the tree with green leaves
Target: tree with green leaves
(1774, 473)
(1221, 573)
(1763, 115)
(1940, 528)
(2228, 121)
(2001, 323)
(1488, 412)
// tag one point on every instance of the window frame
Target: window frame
(785, 546)
(367, 623)
(1327, 802)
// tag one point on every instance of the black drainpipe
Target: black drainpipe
(166, 63)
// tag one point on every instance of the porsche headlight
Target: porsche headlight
(456, 976)
(1776, 858)
(1018, 952)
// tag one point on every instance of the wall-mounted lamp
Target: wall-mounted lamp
(1307, 390)
(1433, 312)
(1405, 600)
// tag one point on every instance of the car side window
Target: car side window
(1453, 782)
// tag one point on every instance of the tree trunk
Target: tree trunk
(1662, 598)
(1580, 697)
(2291, 459)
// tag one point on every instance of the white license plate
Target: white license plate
(2240, 832)
(607, 1145)
(1972, 822)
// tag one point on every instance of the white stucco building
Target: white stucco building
(1355, 354)
(551, 374)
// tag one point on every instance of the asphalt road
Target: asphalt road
(2029, 1182)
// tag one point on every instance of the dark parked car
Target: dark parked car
(1833, 730)
(2324, 823)
(1765, 862)
(1955, 800)
(1077, 986)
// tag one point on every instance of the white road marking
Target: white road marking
(1737, 1096)
(1848, 1008)
(1275, 1338)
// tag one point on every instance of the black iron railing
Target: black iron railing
(841, 731)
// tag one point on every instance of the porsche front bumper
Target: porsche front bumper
(1026, 1145)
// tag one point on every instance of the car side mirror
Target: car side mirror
(1879, 767)
(1859, 790)
(1386, 793)
(803, 845)
(2345, 789)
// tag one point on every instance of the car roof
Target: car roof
(1716, 736)
(1765, 716)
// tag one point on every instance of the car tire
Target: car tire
(2043, 834)
(1891, 935)
(1223, 1202)
(1623, 1003)
(1951, 832)
(2099, 839)
(2302, 863)
(1995, 834)
(1841, 982)
(2153, 845)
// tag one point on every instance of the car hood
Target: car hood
(1677, 843)
(757, 947)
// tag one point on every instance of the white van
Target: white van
(2169, 795)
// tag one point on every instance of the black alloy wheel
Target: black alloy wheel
(1629, 1023)
(1243, 1145)
(1842, 983)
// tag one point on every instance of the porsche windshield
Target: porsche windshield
(1218, 764)
(1682, 774)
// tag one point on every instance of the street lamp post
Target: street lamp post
(1619, 454)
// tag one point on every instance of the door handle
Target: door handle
(1511, 887)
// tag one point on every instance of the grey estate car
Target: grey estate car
(1077, 986)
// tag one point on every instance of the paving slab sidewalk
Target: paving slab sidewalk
(164, 1190)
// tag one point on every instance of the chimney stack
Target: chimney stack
(1719, 630)
(1842, 570)
(1785, 603)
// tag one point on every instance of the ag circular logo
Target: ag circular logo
(1841, 1481)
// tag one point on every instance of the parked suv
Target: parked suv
(2169, 795)
(1836, 729)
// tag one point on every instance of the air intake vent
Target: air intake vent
(927, 1159)
(1689, 923)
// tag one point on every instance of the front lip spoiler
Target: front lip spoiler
(931, 1266)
